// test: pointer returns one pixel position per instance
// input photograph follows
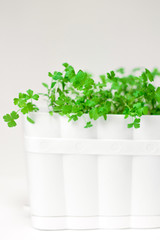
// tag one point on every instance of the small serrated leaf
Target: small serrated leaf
(149, 74)
(50, 74)
(65, 64)
(24, 110)
(7, 118)
(35, 97)
(14, 115)
(30, 92)
(145, 110)
(136, 125)
(130, 125)
(88, 125)
(12, 124)
(15, 101)
(53, 84)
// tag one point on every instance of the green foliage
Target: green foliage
(25, 104)
(10, 119)
(75, 94)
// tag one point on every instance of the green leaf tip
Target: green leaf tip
(30, 120)
(88, 125)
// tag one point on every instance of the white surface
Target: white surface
(37, 36)
(15, 222)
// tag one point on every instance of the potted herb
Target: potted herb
(93, 161)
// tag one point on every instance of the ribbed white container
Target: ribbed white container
(106, 176)
(146, 176)
(114, 174)
(80, 175)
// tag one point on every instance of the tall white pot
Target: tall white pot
(145, 207)
(45, 171)
(80, 178)
(114, 175)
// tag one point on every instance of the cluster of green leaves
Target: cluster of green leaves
(25, 105)
(76, 94)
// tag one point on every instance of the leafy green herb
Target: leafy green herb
(25, 104)
(75, 93)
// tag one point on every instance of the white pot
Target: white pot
(80, 176)
(102, 177)
(114, 174)
(45, 171)
(146, 176)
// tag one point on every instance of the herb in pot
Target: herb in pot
(75, 94)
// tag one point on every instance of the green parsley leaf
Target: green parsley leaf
(30, 93)
(88, 125)
(149, 74)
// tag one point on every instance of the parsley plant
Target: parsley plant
(75, 94)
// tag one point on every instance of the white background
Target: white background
(37, 36)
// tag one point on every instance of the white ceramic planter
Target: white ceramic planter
(102, 177)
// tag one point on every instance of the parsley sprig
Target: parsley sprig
(25, 104)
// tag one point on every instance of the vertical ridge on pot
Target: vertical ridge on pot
(45, 171)
(80, 173)
(145, 171)
(114, 172)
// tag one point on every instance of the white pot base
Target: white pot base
(95, 222)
